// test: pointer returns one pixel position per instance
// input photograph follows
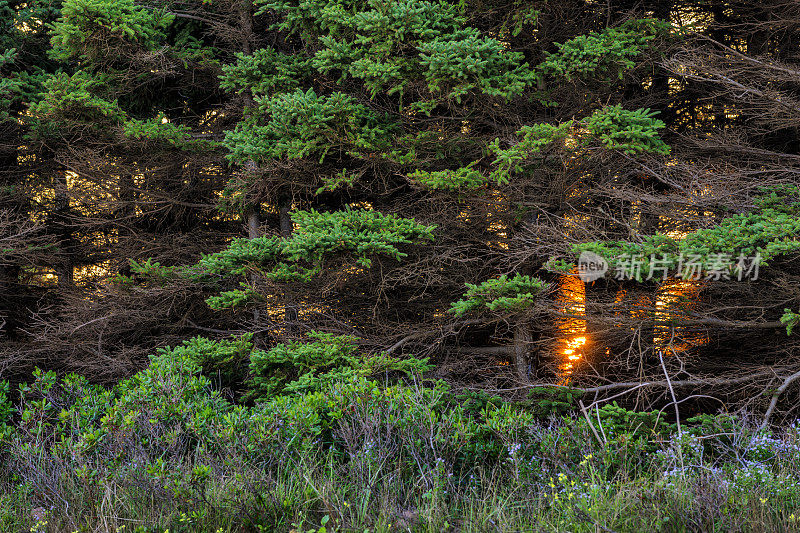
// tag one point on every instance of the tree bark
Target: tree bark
(521, 349)
(253, 223)
(65, 266)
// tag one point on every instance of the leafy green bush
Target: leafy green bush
(547, 401)
(6, 410)
(315, 365)
(223, 358)
(620, 421)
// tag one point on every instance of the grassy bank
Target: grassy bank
(166, 450)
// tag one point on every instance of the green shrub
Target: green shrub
(547, 401)
(316, 364)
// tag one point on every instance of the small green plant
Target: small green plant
(646, 424)
(298, 527)
(6, 410)
(790, 319)
(315, 364)
(500, 294)
(476, 402)
(547, 401)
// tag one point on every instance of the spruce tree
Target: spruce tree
(416, 176)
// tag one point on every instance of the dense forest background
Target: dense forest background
(379, 182)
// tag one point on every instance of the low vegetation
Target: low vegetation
(169, 449)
